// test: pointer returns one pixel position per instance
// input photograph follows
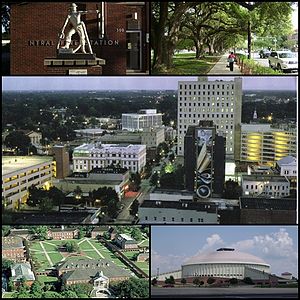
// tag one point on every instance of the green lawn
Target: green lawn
(46, 279)
(145, 243)
(8, 295)
(187, 64)
(142, 265)
(55, 256)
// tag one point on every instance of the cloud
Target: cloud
(165, 263)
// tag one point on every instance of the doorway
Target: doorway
(133, 50)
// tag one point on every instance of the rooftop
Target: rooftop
(12, 242)
(227, 256)
(12, 164)
(22, 270)
(288, 160)
(182, 205)
(82, 268)
(267, 204)
(126, 237)
(109, 147)
(260, 177)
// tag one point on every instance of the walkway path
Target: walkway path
(220, 67)
(95, 248)
(47, 256)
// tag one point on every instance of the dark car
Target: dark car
(168, 285)
(264, 53)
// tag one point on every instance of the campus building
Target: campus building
(63, 233)
(22, 272)
(126, 242)
(118, 34)
(62, 162)
(218, 101)
(82, 270)
(89, 156)
(204, 160)
(13, 248)
(266, 144)
(21, 172)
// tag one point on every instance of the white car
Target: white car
(283, 61)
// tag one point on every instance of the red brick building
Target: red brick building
(119, 34)
(63, 233)
(13, 248)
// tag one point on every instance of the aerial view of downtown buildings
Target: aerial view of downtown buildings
(142, 160)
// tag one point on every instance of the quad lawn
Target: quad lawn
(144, 243)
(49, 256)
(47, 279)
(187, 64)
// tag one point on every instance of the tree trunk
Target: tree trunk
(249, 39)
(199, 48)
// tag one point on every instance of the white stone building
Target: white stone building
(265, 186)
(89, 156)
(287, 166)
(145, 118)
(21, 172)
(219, 101)
(225, 262)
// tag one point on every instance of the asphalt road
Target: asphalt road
(243, 292)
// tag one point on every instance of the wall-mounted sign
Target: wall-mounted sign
(78, 72)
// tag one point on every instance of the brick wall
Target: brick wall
(43, 22)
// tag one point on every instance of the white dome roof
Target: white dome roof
(225, 255)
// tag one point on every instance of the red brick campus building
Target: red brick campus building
(118, 32)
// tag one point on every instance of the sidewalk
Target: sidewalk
(220, 67)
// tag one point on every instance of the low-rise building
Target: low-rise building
(145, 118)
(21, 172)
(35, 137)
(13, 248)
(89, 156)
(115, 178)
(177, 212)
(20, 272)
(99, 231)
(287, 167)
(267, 211)
(63, 233)
(144, 256)
(125, 241)
(82, 270)
(265, 186)
(170, 195)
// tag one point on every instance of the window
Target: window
(191, 219)
(164, 218)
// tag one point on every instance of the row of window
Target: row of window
(270, 187)
(199, 220)
(206, 86)
(204, 104)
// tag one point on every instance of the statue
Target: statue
(74, 17)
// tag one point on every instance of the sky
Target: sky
(135, 83)
(276, 245)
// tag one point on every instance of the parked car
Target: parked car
(283, 61)
(264, 53)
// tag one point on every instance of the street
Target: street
(236, 292)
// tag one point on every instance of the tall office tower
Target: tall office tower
(204, 160)
(62, 161)
(219, 101)
(145, 118)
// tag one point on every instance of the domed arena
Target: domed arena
(226, 263)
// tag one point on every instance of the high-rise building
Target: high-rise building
(218, 101)
(145, 118)
(62, 161)
(266, 144)
(204, 160)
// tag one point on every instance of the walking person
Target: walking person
(231, 60)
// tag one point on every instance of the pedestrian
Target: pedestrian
(231, 59)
